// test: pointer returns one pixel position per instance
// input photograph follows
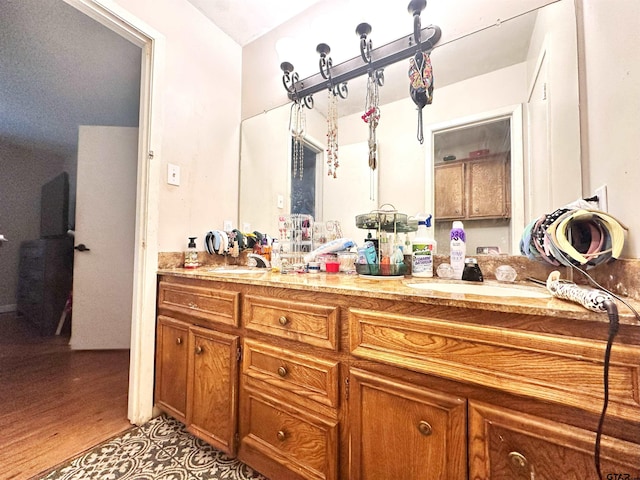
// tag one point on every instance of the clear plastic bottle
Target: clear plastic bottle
(458, 249)
(424, 247)
(191, 254)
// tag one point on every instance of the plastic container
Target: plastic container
(332, 266)
(423, 249)
(458, 249)
(191, 254)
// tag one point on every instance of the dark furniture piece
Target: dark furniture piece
(45, 281)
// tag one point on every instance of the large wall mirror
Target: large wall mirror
(521, 69)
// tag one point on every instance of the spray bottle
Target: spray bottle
(458, 249)
(424, 248)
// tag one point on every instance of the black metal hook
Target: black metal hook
(415, 8)
(363, 30)
(325, 63)
(289, 78)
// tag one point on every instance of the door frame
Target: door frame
(142, 349)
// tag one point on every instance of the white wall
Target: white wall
(24, 171)
(201, 124)
(612, 91)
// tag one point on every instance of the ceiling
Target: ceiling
(254, 19)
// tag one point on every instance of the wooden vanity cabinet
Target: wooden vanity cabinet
(399, 430)
(289, 417)
(197, 366)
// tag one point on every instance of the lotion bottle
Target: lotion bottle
(458, 249)
(424, 247)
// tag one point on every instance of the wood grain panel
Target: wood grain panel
(312, 324)
(555, 368)
(212, 387)
(294, 438)
(303, 375)
(199, 303)
(386, 417)
(171, 367)
(506, 445)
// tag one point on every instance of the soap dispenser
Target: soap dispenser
(191, 254)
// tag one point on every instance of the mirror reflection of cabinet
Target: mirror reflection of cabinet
(473, 188)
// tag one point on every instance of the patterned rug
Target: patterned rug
(158, 450)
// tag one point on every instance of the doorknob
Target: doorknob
(82, 248)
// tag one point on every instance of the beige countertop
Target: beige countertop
(397, 289)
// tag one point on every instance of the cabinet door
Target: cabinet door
(400, 431)
(171, 366)
(488, 188)
(450, 194)
(508, 445)
(213, 387)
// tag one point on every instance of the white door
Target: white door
(105, 225)
(539, 161)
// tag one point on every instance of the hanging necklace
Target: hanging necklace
(332, 135)
(297, 125)
(372, 117)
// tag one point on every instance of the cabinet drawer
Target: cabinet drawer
(207, 304)
(504, 444)
(308, 323)
(302, 375)
(302, 443)
(554, 368)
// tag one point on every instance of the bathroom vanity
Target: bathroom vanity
(340, 377)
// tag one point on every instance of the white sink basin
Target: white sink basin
(237, 271)
(481, 289)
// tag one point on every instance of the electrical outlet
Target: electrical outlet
(246, 227)
(227, 225)
(603, 201)
(173, 174)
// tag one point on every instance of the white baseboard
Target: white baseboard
(8, 308)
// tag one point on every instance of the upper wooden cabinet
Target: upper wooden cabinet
(473, 188)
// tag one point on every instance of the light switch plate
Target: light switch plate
(280, 201)
(173, 174)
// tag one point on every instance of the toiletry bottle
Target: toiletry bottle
(423, 249)
(407, 251)
(275, 255)
(458, 249)
(191, 254)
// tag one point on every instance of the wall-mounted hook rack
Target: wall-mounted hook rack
(381, 57)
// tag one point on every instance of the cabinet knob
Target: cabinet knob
(193, 305)
(281, 435)
(518, 460)
(179, 341)
(199, 350)
(282, 371)
(424, 428)
(283, 320)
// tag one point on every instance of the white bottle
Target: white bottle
(424, 247)
(458, 249)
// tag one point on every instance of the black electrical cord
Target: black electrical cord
(614, 324)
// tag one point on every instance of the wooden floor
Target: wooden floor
(54, 402)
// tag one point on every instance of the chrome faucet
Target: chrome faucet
(255, 260)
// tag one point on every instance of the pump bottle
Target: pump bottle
(191, 254)
(424, 247)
